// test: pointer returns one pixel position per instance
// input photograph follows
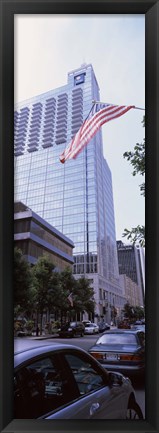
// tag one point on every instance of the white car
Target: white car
(91, 328)
(85, 322)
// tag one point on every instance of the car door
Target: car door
(96, 399)
(41, 386)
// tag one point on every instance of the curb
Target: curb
(44, 337)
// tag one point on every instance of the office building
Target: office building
(76, 197)
(131, 291)
(132, 263)
(35, 238)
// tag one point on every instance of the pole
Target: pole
(99, 102)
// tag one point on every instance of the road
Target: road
(85, 343)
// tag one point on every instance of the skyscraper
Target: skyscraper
(131, 261)
(75, 197)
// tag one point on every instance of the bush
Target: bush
(55, 326)
(29, 326)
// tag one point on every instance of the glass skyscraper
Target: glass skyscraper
(75, 197)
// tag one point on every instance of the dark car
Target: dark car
(121, 350)
(103, 326)
(72, 329)
(62, 381)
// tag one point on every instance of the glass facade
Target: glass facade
(75, 197)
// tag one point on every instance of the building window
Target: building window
(79, 79)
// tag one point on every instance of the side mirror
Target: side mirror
(115, 379)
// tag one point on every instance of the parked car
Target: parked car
(72, 329)
(85, 322)
(139, 324)
(124, 324)
(103, 326)
(91, 328)
(61, 381)
(121, 350)
(22, 333)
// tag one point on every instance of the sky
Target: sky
(47, 47)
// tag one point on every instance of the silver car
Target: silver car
(62, 381)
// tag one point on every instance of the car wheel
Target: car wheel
(134, 411)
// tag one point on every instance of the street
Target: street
(85, 343)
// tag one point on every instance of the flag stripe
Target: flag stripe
(90, 126)
(90, 129)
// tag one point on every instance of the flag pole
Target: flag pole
(84, 186)
(99, 102)
(138, 108)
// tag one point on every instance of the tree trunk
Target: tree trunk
(41, 318)
(37, 328)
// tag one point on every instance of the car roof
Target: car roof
(90, 324)
(28, 354)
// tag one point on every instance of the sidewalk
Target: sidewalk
(43, 337)
(49, 336)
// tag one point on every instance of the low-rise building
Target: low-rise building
(35, 237)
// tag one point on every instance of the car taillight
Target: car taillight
(97, 355)
(129, 357)
(137, 357)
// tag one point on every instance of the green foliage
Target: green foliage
(136, 235)
(29, 326)
(48, 290)
(137, 160)
(133, 312)
(42, 278)
(83, 296)
(22, 282)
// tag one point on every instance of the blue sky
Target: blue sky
(47, 47)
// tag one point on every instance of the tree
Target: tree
(133, 312)
(42, 279)
(137, 160)
(83, 296)
(22, 283)
(128, 311)
(55, 295)
(67, 287)
(63, 286)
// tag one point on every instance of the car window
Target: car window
(117, 339)
(86, 376)
(41, 387)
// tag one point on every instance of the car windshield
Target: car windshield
(117, 339)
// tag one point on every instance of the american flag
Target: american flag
(99, 114)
